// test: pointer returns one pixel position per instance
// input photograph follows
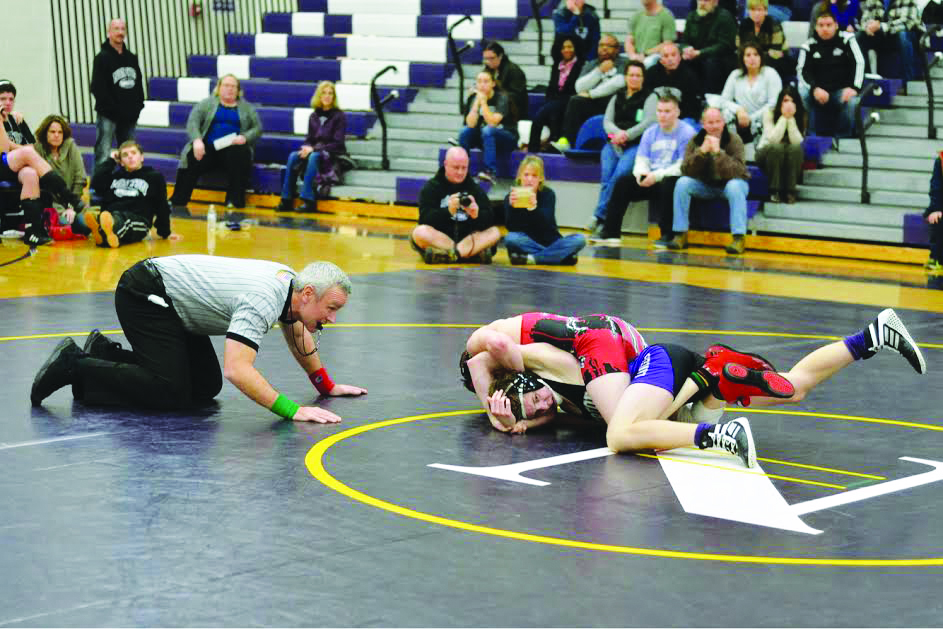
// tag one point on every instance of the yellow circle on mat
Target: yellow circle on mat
(314, 461)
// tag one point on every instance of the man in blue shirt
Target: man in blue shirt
(657, 168)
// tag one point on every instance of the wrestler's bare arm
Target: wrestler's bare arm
(551, 362)
(510, 328)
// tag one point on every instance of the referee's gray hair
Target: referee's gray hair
(321, 276)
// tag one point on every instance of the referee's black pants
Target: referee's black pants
(167, 367)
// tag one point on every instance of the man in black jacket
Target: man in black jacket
(134, 197)
(456, 222)
(709, 44)
(118, 88)
(831, 72)
(671, 72)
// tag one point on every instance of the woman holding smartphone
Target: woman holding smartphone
(530, 215)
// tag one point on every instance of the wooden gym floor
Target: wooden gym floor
(227, 516)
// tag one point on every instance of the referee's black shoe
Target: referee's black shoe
(56, 372)
(97, 346)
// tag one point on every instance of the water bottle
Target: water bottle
(211, 230)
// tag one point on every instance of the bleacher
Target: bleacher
(349, 42)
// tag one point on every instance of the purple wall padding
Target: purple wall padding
(408, 188)
(916, 229)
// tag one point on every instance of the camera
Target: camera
(464, 199)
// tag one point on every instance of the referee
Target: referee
(169, 307)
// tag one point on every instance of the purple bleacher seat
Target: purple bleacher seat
(408, 189)
(535, 100)
(305, 46)
(556, 167)
(281, 23)
(590, 139)
(428, 74)
(502, 28)
(815, 146)
(316, 6)
(162, 88)
(916, 229)
(280, 119)
(295, 69)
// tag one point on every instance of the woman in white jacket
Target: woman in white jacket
(750, 91)
(779, 152)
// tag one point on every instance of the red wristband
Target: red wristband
(321, 381)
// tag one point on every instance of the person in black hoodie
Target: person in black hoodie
(118, 88)
(134, 199)
(831, 73)
(567, 64)
(456, 222)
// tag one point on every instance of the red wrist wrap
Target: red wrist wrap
(321, 381)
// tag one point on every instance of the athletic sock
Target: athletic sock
(704, 435)
(859, 343)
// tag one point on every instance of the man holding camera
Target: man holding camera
(456, 223)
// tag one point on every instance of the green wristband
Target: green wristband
(284, 407)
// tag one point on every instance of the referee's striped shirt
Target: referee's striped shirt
(239, 298)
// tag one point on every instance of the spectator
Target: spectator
(649, 30)
(318, 155)
(223, 129)
(599, 80)
(709, 43)
(580, 19)
(530, 211)
(134, 198)
(24, 166)
(489, 124)
(844, 11)
(56, 146)
(508, 75)
(13, 123)
(567, 64)
(779, 152)
(657, 168)
(630, 112)
(677, 75)
(933, 214)
(891, 25)
(831, 72)
(766, 32)
(713, 168)
(118, 88)
(456, 223)
(750, 92)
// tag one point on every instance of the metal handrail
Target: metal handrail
(535, 7)
(937, 57)
(457, 60)
(377, 103)
(605, 9)
(862, 128)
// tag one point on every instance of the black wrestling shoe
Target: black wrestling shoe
(888, 331)
(735, 437)
(56, 372)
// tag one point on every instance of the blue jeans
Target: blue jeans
(108, 131)
(614, 166)
(292, 168)
(735, 191)
(555, 253)
(845, 113)
(492, 141)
